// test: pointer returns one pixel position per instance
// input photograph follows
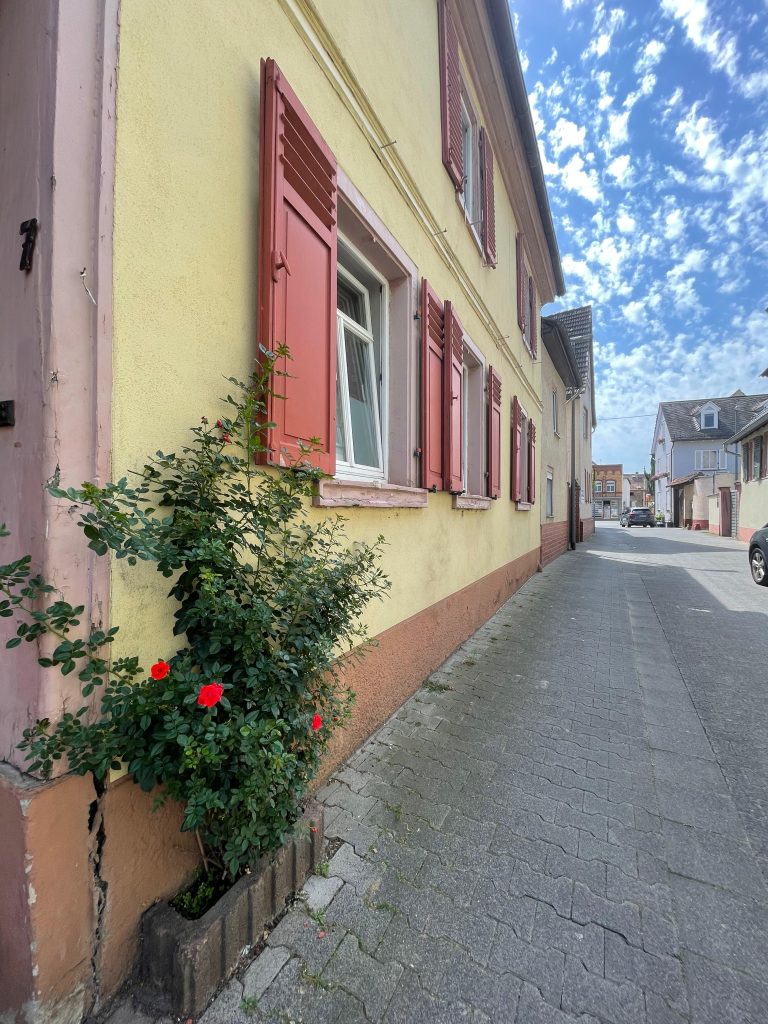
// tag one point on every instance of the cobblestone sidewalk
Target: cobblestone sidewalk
(541, 834)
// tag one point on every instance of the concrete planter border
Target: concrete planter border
(182, 963)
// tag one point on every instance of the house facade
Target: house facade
(578, 323)
(607, 483)
(264, 179)
(561, 384)
(693, 459)
(751, 443)
(634, 491)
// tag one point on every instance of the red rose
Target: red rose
(210, 695)
(317, 722)
(226, 438)
(160, 670)
(219, 424)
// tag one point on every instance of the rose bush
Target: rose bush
(232, 724)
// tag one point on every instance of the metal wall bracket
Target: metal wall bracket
(28, 228)
(7, 414)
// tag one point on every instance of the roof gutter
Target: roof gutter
(504, 37)
(553, 329)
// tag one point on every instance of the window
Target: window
(554, 413)
(610, 486)
(471, 153)
(523, 475)
(757, 456)
(361, 359)
(598, 486)
(467, 153)
(473, 422)
(707, 459)
(550, 499)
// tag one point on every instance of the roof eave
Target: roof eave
(504, 36)
(749, 428)
(556, 341)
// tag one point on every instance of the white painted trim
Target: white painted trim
(373, 494)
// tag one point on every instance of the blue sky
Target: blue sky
(652, 117)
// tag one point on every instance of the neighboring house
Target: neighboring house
(751, 442)
(691, 457)
(360, 181)
(561, 384)
(607, 481)
(578, 323)
(634, 491)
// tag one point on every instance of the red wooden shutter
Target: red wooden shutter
(450, 96)
(432, 344)
(494, 433)
(453, 404)
(533, 333)
(520, 268)
(531, 462)
(297, 273)
(489, 205)
(517, 447)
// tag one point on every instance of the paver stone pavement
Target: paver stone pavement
(567, 823)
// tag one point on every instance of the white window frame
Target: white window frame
(555, 404)
(549, 495)
(470, 196)
(700, 460)
(351, 470)
(610, 487)
(598, 486)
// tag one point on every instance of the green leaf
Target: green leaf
(13, 642)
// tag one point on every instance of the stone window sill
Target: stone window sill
(368, 494)
(471, 501)
(523, 506)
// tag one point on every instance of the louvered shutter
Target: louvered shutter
(533, 332)
(764, 456)
(432, 344)
(489, 205)
(494, 433)
(531, 462)
(453, 404)
(746, 462)
(517, 447)
(526, 307)
(297, 274)
(520, 275)
(450, 96)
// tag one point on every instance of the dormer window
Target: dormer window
(709, 418)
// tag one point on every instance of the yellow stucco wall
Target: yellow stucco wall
(185, 244)
(555, 447)
(753, 505)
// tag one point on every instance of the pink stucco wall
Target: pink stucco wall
(27, 59)
(57, 110)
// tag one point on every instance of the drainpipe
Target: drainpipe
(572, 532)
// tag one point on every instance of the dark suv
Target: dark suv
(637, 517)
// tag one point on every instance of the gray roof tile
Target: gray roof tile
(683, 423)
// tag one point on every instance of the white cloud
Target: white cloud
(674, 224)
(618, 130)
(579, 179)
(620, 169)
(625, 222)
(634, 311)
(719, 46)
(681, 278)
(652, 53)
(738, 168)
(605, 27)
(567, 135)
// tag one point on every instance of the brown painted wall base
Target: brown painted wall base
(700, 524)
(554, 541)
(80, 869)
(745, 533)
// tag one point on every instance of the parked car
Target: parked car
(637, 517)
(758, 556)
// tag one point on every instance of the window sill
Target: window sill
(523, 506)
(471, 501)
(368, 494)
